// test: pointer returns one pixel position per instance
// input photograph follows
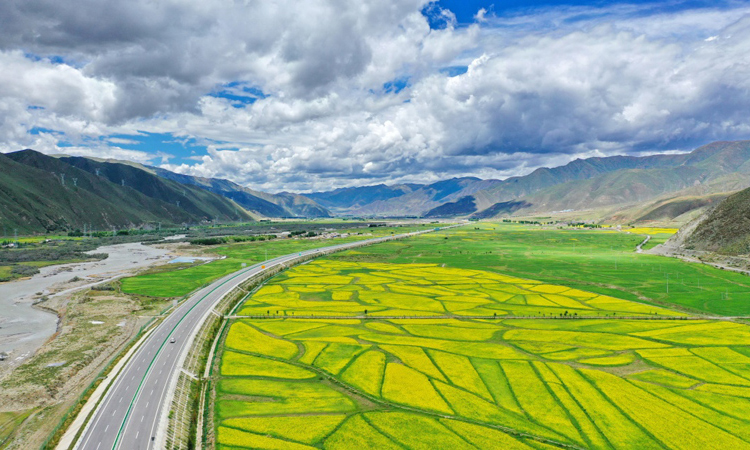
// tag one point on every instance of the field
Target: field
(178, 281)
(451, 380)
(600, 261)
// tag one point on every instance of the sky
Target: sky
(283, 95)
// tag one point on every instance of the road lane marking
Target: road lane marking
(190, 305)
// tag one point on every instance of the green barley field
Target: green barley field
(448, 355)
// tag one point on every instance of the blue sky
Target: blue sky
(323, 94)
(465, 10)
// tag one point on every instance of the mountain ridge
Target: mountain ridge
(46, 194)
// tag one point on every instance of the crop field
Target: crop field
(332, 287)
(451, 380)
(599, 261)
(179, 281)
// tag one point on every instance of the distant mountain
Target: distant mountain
(407, 200)
(42, 193)
(264, 204)
(348, 199)
(619, 181)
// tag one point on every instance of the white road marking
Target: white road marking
(106, 428)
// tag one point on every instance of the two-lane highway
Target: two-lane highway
(129, 414)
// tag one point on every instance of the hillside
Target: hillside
(400, 200)
(622, 182)
(262, 203)
(725, 229)
(44, 194)
(348, 199)
(194, 200)
(583, 184)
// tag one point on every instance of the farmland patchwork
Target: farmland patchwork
(457, 381)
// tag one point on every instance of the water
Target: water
(23, 329)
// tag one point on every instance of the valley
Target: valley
(424, 342)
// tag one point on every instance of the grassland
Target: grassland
(178, 281)
(523, 376)
(426, 290)
(9, 421)
(457, 382)
(599, 261)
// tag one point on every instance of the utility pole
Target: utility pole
(75, 182)
(62, 179)
(667, 284)
(122, 181)
(84, 230)
(97, 172)
(15, 234)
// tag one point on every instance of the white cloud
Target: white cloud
(541, 87)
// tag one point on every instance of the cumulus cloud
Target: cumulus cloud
(320, 108)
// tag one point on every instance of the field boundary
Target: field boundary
(332, 379)
(454, 317)
(237, 297)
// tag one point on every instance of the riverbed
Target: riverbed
(23, 328)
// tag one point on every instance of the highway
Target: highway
(128, 416)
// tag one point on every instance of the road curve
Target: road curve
(128, 416)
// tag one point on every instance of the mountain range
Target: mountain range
(670, 183)
(51, 193)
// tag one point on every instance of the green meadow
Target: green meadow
(602, 261)
(178, 279)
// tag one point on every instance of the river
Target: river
(23, 328)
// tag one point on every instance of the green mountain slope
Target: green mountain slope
(726, 228)
(45, 194)
(269, 205)
(194, 200)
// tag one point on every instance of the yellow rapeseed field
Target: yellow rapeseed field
(385, 379)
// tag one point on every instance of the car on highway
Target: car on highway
(172, 340)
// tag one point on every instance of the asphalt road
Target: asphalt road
(128, 416)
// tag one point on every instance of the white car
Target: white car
(172, 340)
